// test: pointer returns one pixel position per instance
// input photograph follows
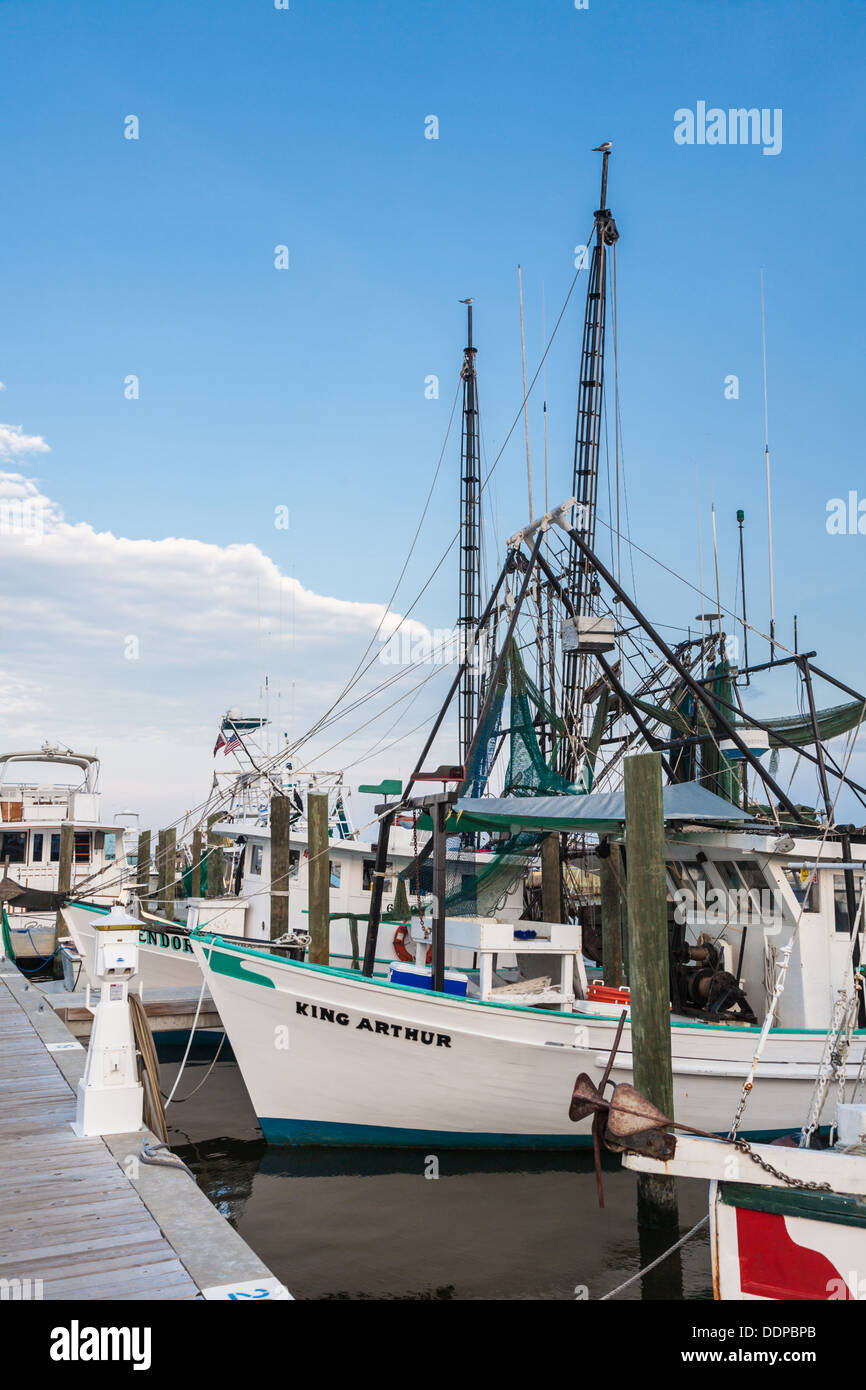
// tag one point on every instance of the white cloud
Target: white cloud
(15, 444)
(136, 647)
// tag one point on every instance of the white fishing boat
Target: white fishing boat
(755, 888)
(33, 810)
(331, 1057)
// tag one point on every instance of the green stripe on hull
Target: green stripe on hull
(837, 1207)
(327, 1134)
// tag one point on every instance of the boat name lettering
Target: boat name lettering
(164, 941)
(374, 1025)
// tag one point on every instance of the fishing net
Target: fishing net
(483, 871)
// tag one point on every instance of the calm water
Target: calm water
(360, 1223)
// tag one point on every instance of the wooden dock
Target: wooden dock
(83, 1218)
(71, 1218)
(168, 1011)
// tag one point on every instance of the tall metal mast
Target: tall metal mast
(582, 584)
(470, 540)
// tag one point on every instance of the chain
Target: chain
(746, 1149)
(417, 872)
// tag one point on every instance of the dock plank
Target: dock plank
(70, 1216)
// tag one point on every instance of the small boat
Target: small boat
(32, 814)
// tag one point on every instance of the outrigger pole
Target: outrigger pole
(682, 671)
(389, 812)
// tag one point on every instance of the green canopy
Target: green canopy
(599, 812)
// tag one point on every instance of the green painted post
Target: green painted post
(319, 878)
(281, 814)
(649, 976)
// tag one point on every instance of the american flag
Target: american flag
(226, 743)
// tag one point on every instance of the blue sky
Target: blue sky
(305, 387)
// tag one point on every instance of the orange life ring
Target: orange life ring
(401, 950)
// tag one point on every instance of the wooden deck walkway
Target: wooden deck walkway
(69, 1216)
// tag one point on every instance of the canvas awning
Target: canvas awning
(602, 812)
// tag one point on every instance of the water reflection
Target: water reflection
(412, 1224)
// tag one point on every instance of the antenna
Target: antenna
(767, 463)
(525, 402)
(741, 516)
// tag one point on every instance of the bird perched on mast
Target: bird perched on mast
(602, 149)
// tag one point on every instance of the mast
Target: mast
(767, 470)
(470, 540)
(582, 584)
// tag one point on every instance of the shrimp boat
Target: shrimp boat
(32, 815)
(239, 823)
(758, 884)
(478, 1063)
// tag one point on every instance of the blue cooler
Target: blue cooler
(421, 977)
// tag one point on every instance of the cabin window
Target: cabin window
(369, 872)
(804, 885)
(256, 860)
(334, 872)
(81, 847)
(840, 902)
(294, 862)
(55, 849)
(110, 844)
(14, 846)
(37, 847)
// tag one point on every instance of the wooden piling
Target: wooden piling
(195, 873)
(281, 814)
(649, 974)
(440, 810)
(319, 878)
(214, 860)
(611, 889)
(169, 886)
(551, 879)
(64, 873)
(142, 869)
(160, 870)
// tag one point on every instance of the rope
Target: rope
(646, 1269)
(154, 1114)
(782, 969)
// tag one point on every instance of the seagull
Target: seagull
(608, 145)
(466, 301)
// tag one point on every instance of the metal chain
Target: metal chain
(746, 1148)
(417, 872)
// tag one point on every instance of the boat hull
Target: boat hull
(332, 1058)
